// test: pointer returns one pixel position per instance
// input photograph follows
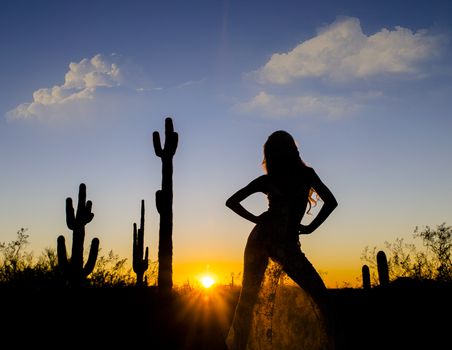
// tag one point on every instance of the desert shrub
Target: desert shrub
(20, 268)
(433, 262)
(439, 243)
(14, 258)
(111, 270)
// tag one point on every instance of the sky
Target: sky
(364, 87)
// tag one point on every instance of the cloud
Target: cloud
(298, 83)
(84, 82)
(327, 107)
(341, 52)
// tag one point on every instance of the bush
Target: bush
(406, 260)
(19, 268)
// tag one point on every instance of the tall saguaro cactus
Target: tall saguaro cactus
(140, 264)
(73, 268)
(164, 203)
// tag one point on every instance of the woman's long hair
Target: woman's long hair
(282, 161)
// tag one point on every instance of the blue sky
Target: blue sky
(364, 87)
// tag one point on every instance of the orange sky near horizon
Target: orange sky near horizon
(190, 273)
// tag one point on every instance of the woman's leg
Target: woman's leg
(300, 269)
(255, 263)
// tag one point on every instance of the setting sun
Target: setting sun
(207, 281)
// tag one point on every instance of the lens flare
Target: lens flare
(207, 281)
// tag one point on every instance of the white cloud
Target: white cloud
(81, 83)
(341, 51)
(328, 107)
(91, 73)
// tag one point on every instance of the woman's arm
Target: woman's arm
(234, 204)
(329, 204)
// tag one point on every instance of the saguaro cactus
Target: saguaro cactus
(73, 269)
(164, 203)
(383, 270)
(139, 265)
(366, 276)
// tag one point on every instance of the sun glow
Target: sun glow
(207, 281)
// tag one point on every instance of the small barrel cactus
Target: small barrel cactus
(366, 276)
(383, 269)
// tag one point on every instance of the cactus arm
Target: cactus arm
(88, 215)
(159, 200)
(92, 257)
(171, 141)
(70, 216)
(171, 138)
(84, 207)
(81, 202)
(157, 145)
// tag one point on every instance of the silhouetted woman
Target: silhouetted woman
(289, 185)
